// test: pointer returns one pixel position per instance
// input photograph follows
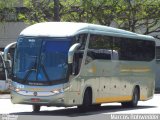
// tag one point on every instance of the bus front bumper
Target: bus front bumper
(51, 100)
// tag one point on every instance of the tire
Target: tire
(134, 101)
(96, 106)
(87, 101)
(36, 108)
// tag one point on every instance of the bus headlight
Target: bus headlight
(57, 91)
(14, 89)
(17, 89)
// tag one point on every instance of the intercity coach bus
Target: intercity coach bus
(5, 67)
(80, 64)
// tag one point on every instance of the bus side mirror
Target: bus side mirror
(8, 65)
(71, 52)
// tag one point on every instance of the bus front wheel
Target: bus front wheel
(87, 101)
(36, 108)
(134, 101)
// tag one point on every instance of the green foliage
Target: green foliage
(7, 3)
(132, 15)
(7, 9)
(37, 11)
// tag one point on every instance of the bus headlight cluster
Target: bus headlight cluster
(14, 89)
(17, 90)
(57, 91)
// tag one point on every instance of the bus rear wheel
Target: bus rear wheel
(134, 101)
(36, 108)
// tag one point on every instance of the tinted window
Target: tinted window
(100, 47)
(41, 60)
(134, 50)
(78, 56)
(158, 52)
(80, 38)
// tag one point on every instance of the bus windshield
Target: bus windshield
(41, 60)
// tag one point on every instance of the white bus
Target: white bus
(5, 68)
(80, 64)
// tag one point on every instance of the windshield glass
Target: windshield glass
(41, 60)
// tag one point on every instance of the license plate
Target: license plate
(35, 99)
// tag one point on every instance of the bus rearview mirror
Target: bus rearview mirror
(71, 52)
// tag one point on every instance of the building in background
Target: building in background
(11, 27)
(9, 32)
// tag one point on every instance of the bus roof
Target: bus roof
(66, 29)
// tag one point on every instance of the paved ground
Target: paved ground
(4, 96)
(24, 112)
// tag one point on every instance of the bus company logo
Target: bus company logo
(9, 117)
(35, 93)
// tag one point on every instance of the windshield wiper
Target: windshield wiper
(29, 71)
(45, 73)
(35, 69)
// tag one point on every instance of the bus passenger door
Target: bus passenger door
(2, 75)
(91, 73)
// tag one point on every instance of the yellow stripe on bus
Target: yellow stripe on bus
(113, 99)
(142, 97)
(135, 69)
(117, 99)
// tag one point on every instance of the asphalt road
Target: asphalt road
(24, 112)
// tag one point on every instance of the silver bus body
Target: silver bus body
(5, 65)
(109, 80)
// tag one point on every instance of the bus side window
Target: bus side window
(129, 49)
(100, 47)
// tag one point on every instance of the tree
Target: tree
(7, 9)
(36, 11)
(142, 16)
(40, 10)
(92, 11)
(56, 10)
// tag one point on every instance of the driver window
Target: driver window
(2, 71)
(78, 56)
